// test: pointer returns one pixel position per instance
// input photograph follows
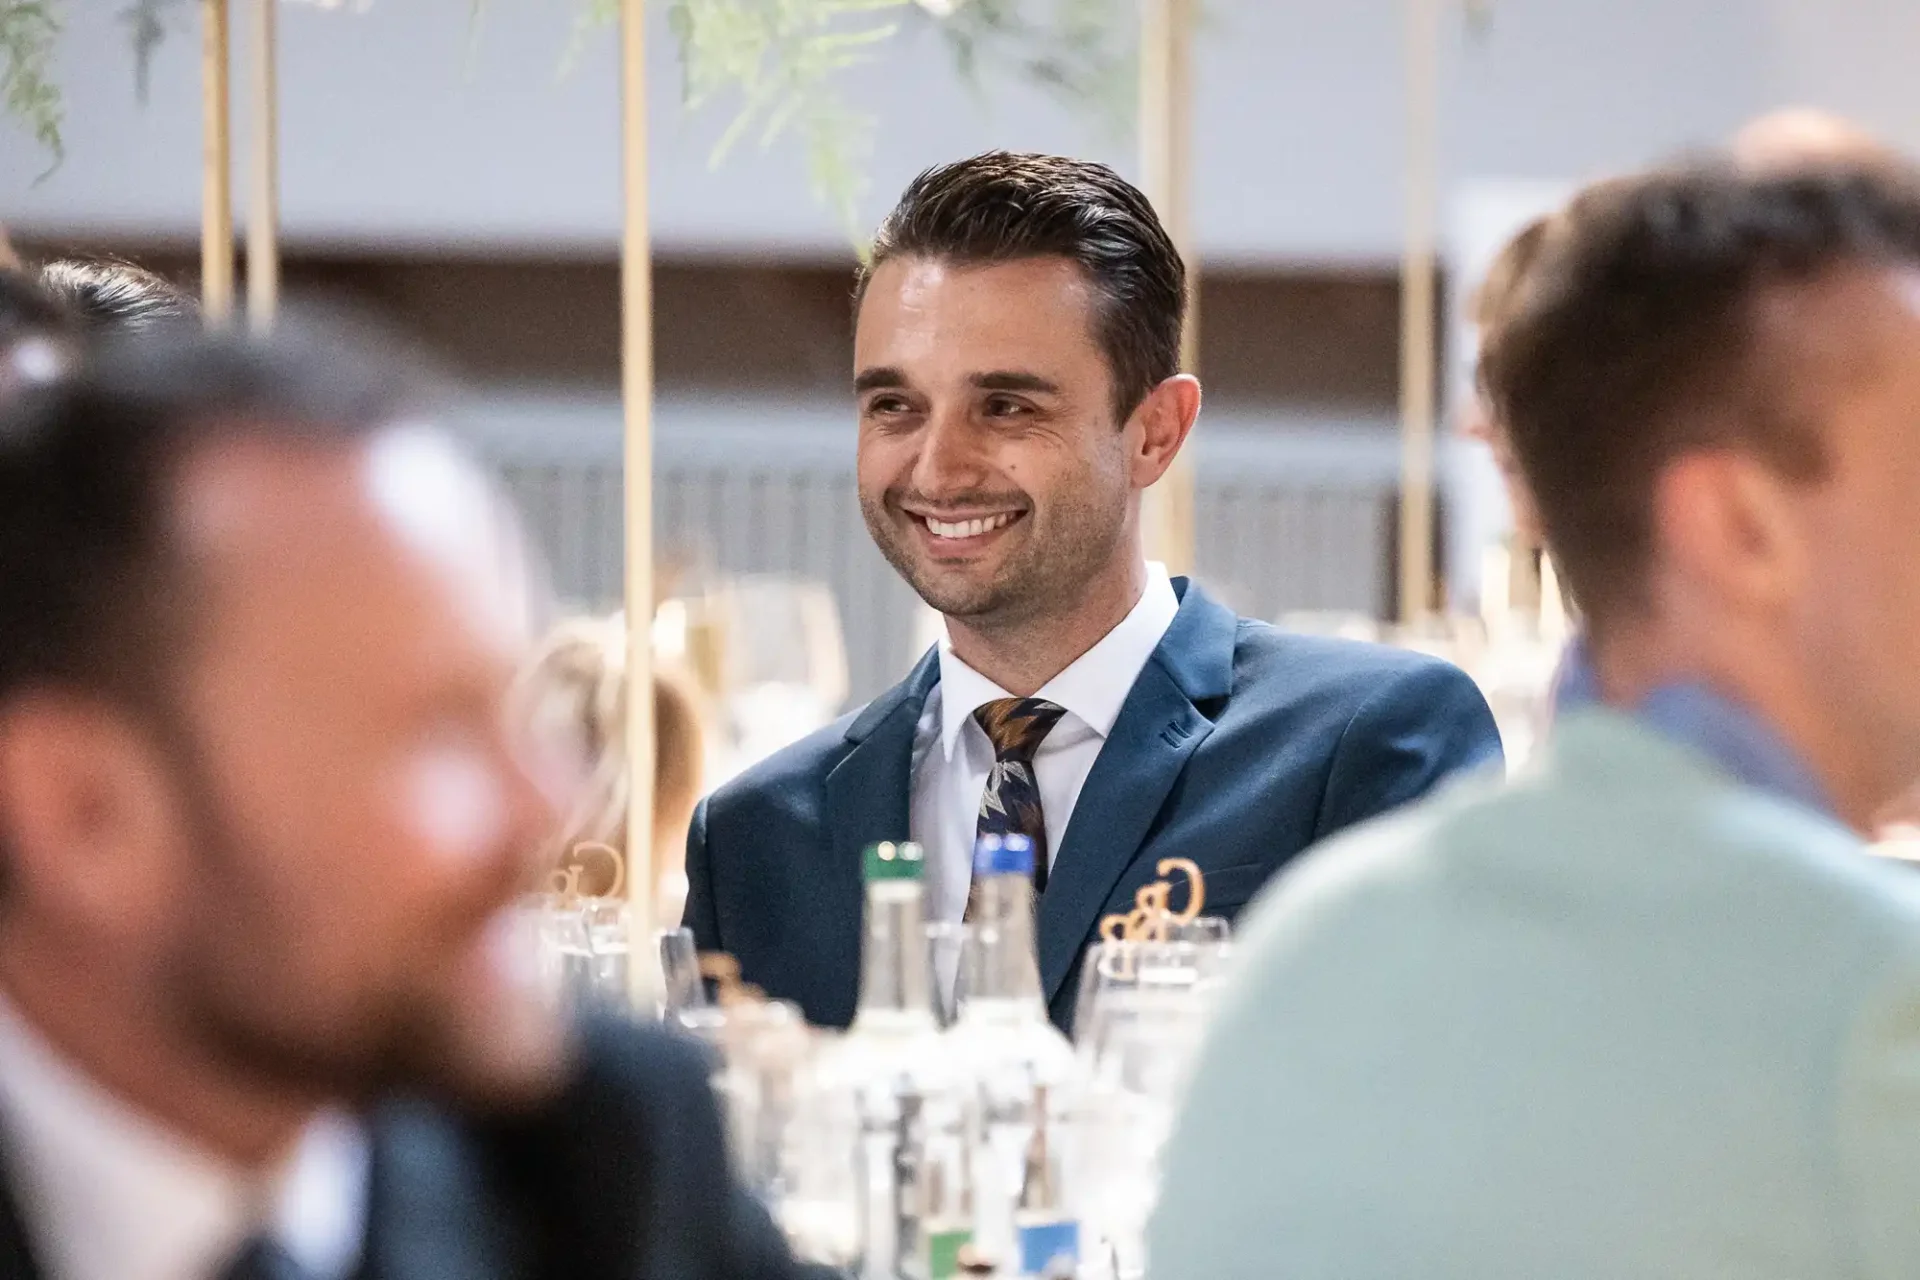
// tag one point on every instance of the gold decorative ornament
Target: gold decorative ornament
(1151, 920)
(565, 879)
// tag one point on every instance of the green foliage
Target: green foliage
(780, 63)
(1082, 52)
(29, 30)
(782, 58)
(146, 20)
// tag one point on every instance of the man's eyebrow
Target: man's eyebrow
(1010, 380)
(886, 376)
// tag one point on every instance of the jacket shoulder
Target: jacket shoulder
(1261, 648)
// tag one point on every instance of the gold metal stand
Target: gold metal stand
(1417, 322)
(263, 190)
(216, 197)
(636, 305)
(1166, 167)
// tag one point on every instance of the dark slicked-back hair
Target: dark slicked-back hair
(93, 593)
(107, 295)
(1637, 341)
(1005, 207)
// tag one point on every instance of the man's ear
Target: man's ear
(87, 816)
(1728, 523)
(1165, 419)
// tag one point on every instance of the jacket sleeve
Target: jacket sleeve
(700, 914)
(1878, 1128)
(1405, 738)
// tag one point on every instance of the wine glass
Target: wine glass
(819, 1208)
(780, 663)
(1141, 1009)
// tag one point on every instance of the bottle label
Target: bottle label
(944, 1250)
(1050, 1249)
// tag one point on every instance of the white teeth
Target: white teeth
(969, 528)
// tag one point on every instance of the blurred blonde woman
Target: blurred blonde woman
(576, 689)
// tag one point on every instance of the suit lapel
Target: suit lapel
(869, 799)
(1158, 729)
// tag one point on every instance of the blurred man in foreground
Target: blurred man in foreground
(260, 826)
(1649, 1012)
(1018, 386)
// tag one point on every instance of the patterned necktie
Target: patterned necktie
(1011, 804)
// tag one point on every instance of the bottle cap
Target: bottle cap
(1008, 855)
(890, 861)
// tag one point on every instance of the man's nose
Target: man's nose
(950, 458)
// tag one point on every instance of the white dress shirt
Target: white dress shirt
(952, 755)
(107, 1193)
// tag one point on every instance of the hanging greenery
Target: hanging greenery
(780, 63)
(29, 30)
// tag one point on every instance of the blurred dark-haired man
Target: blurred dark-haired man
(1649, 1011)
(1018, 387)
(262, 821)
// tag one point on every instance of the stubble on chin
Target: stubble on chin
(952, 595)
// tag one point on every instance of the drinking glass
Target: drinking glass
(1141, 1009)
(819, 1207)
(781, 663)
(606, 983)
(682, 991)
(766, 1050)
(576, 951)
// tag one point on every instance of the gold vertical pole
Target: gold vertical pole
(636, 360)
(263, 198)
(1166, 168)
(216, 195)
(1417, 353)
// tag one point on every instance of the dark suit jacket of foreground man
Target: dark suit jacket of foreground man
(624, 1177)
(1238, 746)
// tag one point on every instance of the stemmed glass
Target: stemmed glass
(1141, 1010)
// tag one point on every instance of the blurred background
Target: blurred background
(439, 165)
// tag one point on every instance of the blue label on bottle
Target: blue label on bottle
(1050, 1249)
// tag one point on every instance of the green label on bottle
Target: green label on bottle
(943, 1252)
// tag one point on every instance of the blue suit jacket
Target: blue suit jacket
(1238, 746)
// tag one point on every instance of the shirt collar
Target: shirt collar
(1092, 688)
(1694, 715)
(107, 1192)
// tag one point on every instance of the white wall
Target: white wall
(393, 135)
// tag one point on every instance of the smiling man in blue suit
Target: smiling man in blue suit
(1017, 370)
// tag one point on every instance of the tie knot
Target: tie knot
(1015, 726)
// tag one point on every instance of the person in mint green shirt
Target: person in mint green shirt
(1647, 1012)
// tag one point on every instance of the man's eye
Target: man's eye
(887, 404)
(1005, 407)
